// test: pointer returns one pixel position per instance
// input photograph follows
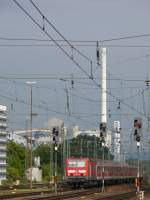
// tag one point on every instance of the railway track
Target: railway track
(93, 194)
(121, 196)
(25, 186)
(85, 194)
(45, 195)
(23, 194)
(69, 195)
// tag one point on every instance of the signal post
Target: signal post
(137, 138)
(55, 138)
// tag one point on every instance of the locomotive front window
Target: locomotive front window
(76, 163)
(80, 163)
(72, 164)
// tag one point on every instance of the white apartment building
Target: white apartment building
(3, 140)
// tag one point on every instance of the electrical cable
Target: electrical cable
(64, 51)
(81, 41)
(72, 47)
(75, 45)
(45, 108)
(75, 62)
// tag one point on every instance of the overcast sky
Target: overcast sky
(76, 20)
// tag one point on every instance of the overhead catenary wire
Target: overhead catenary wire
(46, 19)
(81, 96)
(75, 45)
(58, 45)
(61, 78)
(79, 41)
(51, 45)
(45, 108)
(73, 60)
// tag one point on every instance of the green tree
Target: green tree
(43, 151)
(46, 171)
(15, 161)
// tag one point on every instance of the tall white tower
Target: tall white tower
(103, 118)
(103, 87)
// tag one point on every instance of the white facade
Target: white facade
(17, 138)
(108, 140)
(76, 131)
(117, 140)
(3, 139)
(36, 174)
(103, 86)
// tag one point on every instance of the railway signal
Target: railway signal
(102, 130)
(55, 135)
(56, 138)
(98, 53)
(137, 129)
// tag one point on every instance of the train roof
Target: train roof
(100, 162)
(79, 158)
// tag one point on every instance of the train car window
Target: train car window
(113, 170)
(99, 169)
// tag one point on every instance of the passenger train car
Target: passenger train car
(86, 172)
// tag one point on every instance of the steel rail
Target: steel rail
(70, 194)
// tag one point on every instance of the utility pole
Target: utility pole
(30, 134)
(51, 161)
(149, 159)
(64, 148)
(68, 116)
(27, 149)
(138, 167)
(56, 149)
(81, 150)
(103, 168)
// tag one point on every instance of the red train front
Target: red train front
(84, 172)
(79, 172)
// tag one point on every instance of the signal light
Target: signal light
(135, 132)
(98, 54)
(137, 129)
(138, 138)
(102, 130)
(55, 134)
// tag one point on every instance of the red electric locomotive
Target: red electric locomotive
(85, 172)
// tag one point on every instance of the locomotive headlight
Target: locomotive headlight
(82, 171)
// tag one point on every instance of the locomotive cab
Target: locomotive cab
(77, 170)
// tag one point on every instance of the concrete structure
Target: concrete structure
(3, 139)
(90, 133)
(36, 174)
(108, 140)
(40, 136)
(103, 87)
(76, 131)
(117, 141)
